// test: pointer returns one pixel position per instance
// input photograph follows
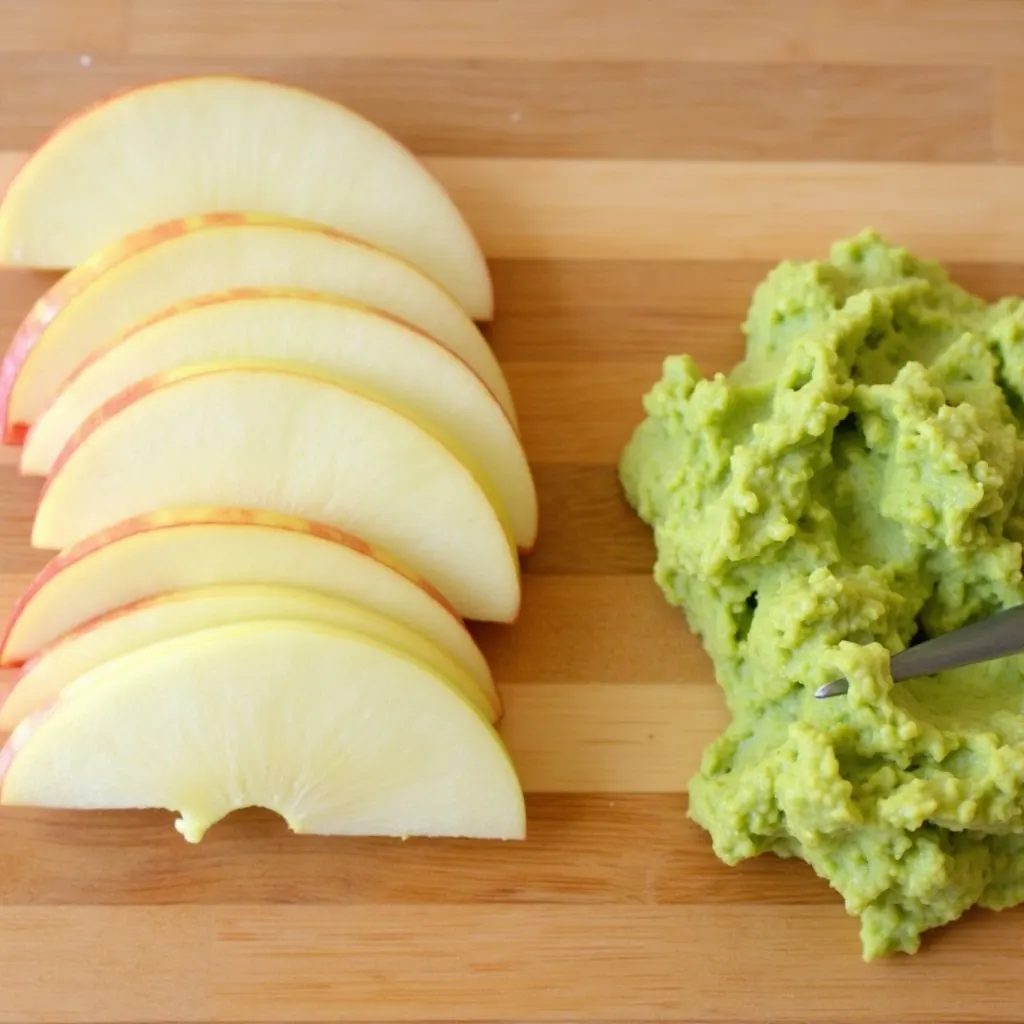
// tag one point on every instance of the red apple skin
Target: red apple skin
(26, 666)
(76, 281)
(132, 394)
(248, 294)
(7, 753)
(168, 520)
(72, 284)
(20, 431)
(6, 688)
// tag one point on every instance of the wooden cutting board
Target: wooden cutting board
(633, 167)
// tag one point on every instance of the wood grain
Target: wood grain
(628, 633)
(633, 169)
(975, 33)
(63, 26)
(1008, 124)
(671, 30)
(565, 209)
(622, 849)
(527, 108)
(610, 738)
(661, 210)
(306, 963)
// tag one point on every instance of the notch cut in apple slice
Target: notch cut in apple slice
(378, 354)
(210, 143)
(337, 733)
(181, 549)
(285, 439)
(179, 612)
(137, 277)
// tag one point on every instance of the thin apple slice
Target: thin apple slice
(285, 439)
(375, 352)
(173, 614)
(204, 144)
(337, 733)
(181, 549)
(141, 275)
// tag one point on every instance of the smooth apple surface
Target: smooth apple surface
(179, 612)
(376, 353)
(181, 549)
(337, 733)
(286, 439)
(136, 278)
(209, 143)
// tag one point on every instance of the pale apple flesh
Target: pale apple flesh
(269, 436)
(376, 353)
(140, 276)
(179, 612)
(177, 550)
(336, 733)
(206, 144)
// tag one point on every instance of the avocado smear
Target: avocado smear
(855, 484)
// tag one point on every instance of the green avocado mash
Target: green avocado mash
(852, 486)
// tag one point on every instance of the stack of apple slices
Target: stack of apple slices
(282, 467)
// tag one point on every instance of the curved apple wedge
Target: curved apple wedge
(337, 733)
(376, 353)
(181, 549)
(284, 439)
(168, 615)
(204, 144)
(139, 276)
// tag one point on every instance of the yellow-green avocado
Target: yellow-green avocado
(853, 485)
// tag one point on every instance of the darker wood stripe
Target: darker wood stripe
(588, 528)
(637, 110)
(18, 497)
(626, 849)
(532, 29)
(587, 311)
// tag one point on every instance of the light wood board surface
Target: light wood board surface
(632, 167)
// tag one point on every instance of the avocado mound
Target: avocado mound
(852, 486)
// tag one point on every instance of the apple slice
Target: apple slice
(372, 351)
(185, 548)
(204, 144)
(282, 438)
(173, 614)
(137, 277)
(337, 733)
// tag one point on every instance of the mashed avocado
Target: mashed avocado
(852, 486)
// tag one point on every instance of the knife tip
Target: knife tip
(833, 689)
